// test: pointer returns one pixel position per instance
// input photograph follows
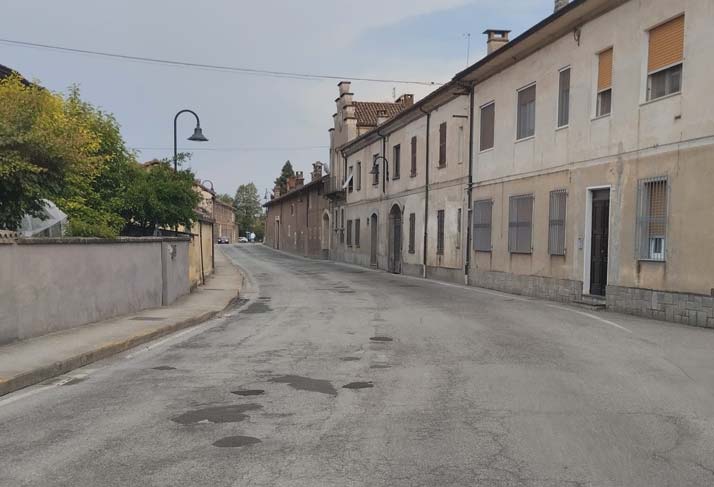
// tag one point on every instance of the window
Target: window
(350, 180)
(458, 228)
(564, 98)
(652, 219)
(357, 229)
(442, 144)
(482, 225)
(414, 157)
(526, 113)
(375, 170)
(440, 232)
(349, 233)
(396, 160)
(520, 224)
(358, 184)
(488, 120)
(604, 83)
(556, 222)
(412, 232)
(665, 56)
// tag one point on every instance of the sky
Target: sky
(254, 124)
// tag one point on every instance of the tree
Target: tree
(285, 173)
(248, 209)
(160, 198)
(42, 146)
(225, 198)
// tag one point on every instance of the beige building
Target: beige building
(576, 165)
(225, 225)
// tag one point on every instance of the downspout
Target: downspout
(384, 162)
(200, 242)
(426, 191)
(469, 190)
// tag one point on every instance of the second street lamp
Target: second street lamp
(196, 137)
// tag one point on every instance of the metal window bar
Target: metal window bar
(652, 213)
(482, 215)
(556, 222)
(520, 224)
(440, 232)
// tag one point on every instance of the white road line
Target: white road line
(590, 315)
(36, 390)
(170, 338)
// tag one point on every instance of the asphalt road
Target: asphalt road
(464, 387)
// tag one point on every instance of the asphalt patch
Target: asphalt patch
(248, 392)
(379, 366)
(217, 414)
(349, 359)
(236, 441)
(381, 339)
(358, 385)
(306, 384)
(257, 308)
(164, 367)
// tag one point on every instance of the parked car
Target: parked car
(243, 240)
(223, 240)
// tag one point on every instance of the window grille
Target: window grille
(520, 224)
(556, 222)
(482, 225)
(440, 232)
(652, 196)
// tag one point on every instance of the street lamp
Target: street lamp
(196, 137)
(375, 169)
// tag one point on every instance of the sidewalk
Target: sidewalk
(28, 362)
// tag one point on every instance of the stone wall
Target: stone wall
(687, 308)
(563, 290)
(51, 284)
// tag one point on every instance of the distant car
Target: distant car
(243, 240)
(223, 240)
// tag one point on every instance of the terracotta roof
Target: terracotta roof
(366, 111)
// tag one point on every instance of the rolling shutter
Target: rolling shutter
(666, 45)
(604, 76)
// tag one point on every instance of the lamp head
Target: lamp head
(198, 135)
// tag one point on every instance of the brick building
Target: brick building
(298, 220)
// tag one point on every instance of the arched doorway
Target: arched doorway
(325, 236)
(373, 240)
(395, 240)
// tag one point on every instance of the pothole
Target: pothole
(217, 414)
(257, 308)
(236, 441)
(248, 392)
(163, 367)
(381, 339)
(306, 384)
(358, 385)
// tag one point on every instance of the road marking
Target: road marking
(590, 315)
(13, 397)
(168, 339)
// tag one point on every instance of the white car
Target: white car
(243, 240)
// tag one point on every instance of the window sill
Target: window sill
(655, 261)
(441, 166)
(521, 253)
(600, 117)
(483, 251)
(655, 100)
(484, 151)
(413, 175)
(558, 129)
(395, 178)
(525, 139)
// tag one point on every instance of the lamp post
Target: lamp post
(196, 137)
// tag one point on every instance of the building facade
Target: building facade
(225, 226)
(570, 163)
(298, 221)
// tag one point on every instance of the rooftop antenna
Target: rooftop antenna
(394, 93)
(467, 35)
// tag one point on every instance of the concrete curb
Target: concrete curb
(58, 368)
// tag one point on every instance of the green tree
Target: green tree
(42, 146)
(225, 198)
(160, 198)
(285, 173)
(248, 208)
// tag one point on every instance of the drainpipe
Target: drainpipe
(200, 243)
(426, 190)
(469, 190)
(384, 163)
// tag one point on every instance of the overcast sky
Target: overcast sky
(270, 120)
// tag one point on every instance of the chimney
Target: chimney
(406, 100)
(316, 171)
(382, 117)
(291, 183)
(496, 39)
(344, 87)
(299, 179)
(561, 4)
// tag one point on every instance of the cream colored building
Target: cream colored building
(577, 165)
